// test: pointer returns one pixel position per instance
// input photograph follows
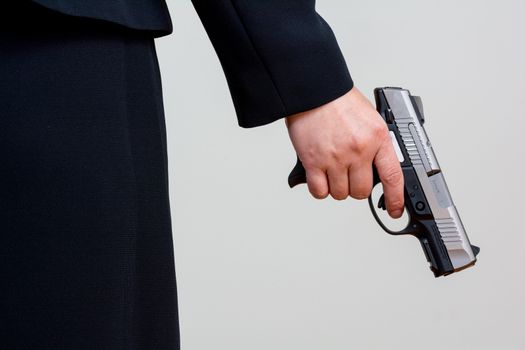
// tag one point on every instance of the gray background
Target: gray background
(260, 266)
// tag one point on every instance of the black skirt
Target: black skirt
(86, 251)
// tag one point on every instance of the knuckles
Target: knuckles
(380, 132)
(360, 145)
(367, 141)
(350, 149)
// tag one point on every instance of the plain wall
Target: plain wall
(261, 266)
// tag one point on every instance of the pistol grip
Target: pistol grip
(297, 175)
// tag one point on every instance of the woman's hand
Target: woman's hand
(338, 142)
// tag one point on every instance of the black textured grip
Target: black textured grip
(297, 175)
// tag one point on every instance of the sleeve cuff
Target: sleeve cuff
(279, 57)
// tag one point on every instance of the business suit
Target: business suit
(86, 245)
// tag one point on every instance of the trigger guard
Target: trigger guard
(411, 228)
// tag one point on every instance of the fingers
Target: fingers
(391, 176)
(317, 183)
(338, 182)
(361, 181)
(341, 182)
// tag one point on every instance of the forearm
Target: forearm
(279, 56)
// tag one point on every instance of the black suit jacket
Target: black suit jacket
(279, 56)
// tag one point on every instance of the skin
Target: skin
(338, 142)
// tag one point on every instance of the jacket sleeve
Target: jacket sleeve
(279, 56)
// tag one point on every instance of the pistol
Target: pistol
(432, 215)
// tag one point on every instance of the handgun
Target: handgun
(432, 215)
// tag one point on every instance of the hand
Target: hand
(338, 142)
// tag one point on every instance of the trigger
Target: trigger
(381, 203)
